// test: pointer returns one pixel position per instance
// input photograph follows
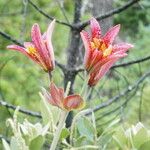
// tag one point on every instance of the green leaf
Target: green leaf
(145, 146)
(119, 137)
(18, 143)
(50, 114)
(82, 140)
(85, 128)
(45, 111)
(141, 137)
(5, 144)
(104, 140)
(64, 134)
(37, 143)
(113, 123)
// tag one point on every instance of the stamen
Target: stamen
(93, 45)
(96, 42)
(107, 51)
(31, 50)
(103, 46)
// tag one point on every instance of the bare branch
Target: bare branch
(23, 22)
(47, 16)
(116, 109)
(61, 6)
(131, 62)
(140, 60)
(123, 93)
(8, 37)
(109, 121)
(22, 110)
(140, 103)
(11, 14)
(110, 13)
(61, 66)
(129, 89)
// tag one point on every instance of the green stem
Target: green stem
(50, 76)
(64, 115)
(87, 92)
(84, 84)
(85, 147)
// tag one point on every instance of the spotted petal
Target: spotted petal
(86, 42)
(57, 94)
(111, 34)
(104, 69)
(17, 48)
(28, 44)
(100, 63)
(39, 44)
(48, 42)
(95, 28)
(122, 47)
(95, 58)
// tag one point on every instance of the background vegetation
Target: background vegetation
(21, 79)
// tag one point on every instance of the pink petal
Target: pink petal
(95, 28)
(44, 36)
(122, 47)
(104, 69)
(99, 71)
(56, 94)
(73, 102)
(17, 48)
(35, 56)
(95, 58)
(86, 41)
(24, 51)
(40, 46)
(111, 34)
(103, 61)
(48, 41)
(61, 93)
(92, 80)
(117, 55)
(28, 44)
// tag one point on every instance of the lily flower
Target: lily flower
(40, 49)
(100, 52)
(57, 97)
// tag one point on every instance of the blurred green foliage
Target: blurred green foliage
(21, 79)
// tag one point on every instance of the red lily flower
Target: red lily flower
(57, 98)
(100, 54)
(40, 50)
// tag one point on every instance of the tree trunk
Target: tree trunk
(73, 54)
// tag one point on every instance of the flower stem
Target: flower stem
(50, 76)
(84, 83)
(64, 115)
